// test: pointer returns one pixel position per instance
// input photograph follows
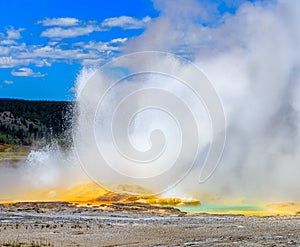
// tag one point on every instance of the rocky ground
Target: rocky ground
(65, 224)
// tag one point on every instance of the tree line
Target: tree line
(26, 122)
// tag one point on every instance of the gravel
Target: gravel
(65, 224)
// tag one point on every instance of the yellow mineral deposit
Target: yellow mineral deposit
(285, 208)
(93, 194)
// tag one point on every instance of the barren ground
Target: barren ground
(65, 224)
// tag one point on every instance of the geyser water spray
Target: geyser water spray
(148, 124)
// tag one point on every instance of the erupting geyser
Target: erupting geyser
(252, 60)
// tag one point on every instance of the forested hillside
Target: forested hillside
(26, 122)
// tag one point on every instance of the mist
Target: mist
(251, 57)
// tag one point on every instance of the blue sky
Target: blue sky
(44, 44)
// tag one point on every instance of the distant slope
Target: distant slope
(26, 122)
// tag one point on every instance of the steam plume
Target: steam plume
(252, 59)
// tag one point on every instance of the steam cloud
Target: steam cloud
(252, 59)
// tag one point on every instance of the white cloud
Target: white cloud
(8, 42)
(4, 50)
(14, 54)
(26, 72)
(59, 54)
(61, 33)
(66, 21)
(100, 46)
(42, 63)
(125, 22)
(14, 33)
(86, 53)
(8, 82)
(118, 40)
(10, 62)
(91, 62)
